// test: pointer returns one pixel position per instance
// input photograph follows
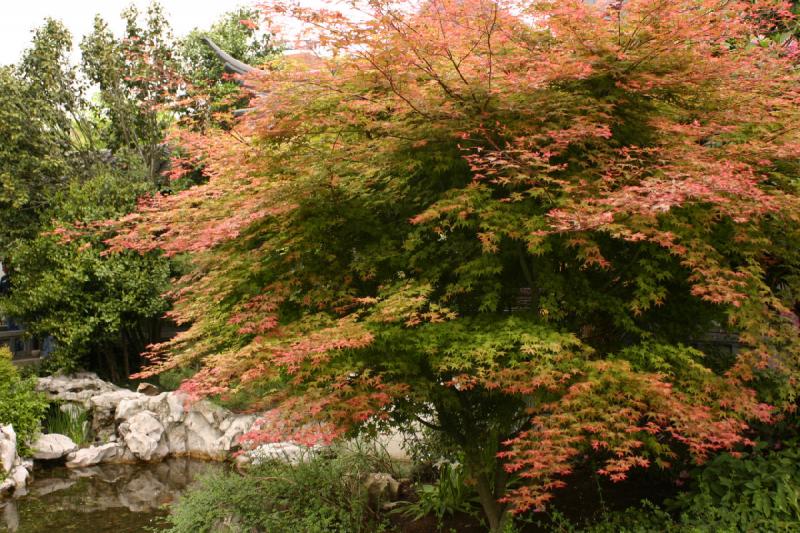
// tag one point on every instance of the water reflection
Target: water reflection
(100, 499)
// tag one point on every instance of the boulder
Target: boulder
(20, 475)
(143, 434)
(233, 428)
(202, 437)
(148, 425)
(381, 488)
(176, 439)
(7, 486)
(176, 406)
(8, 448)
(130, 406)
(148, 389)
(276, 451)
(27, 463)
(77, 388)
(94, 455)
(103, 408)
(53, 446)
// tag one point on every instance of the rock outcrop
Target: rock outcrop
(75, 388)
(52, 446)
(142, 434)
(16, 471)
(146, 425)
(93, 455)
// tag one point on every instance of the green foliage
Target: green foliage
(20, 404)
(94, 305)
(319, 495)
(136, 75)
(172, 379)
(647, 518)
(30, 150)
(760, 492)
(69, 420)
(67, 163)
(448, 495)
(238, 34)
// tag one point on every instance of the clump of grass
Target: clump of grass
(71, 420)
(322, 493)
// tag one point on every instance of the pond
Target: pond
(101, 499)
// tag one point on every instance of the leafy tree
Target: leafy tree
(101, 310)
(137, 77)
(506, 222)
(38, 152)
(76, 163)
(214, 92)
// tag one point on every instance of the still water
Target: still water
(101, 499)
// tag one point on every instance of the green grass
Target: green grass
(72, 422)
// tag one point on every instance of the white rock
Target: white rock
(381, 488)
(176, 402)
(234, 428)
(94, 455)
(202, 437)
(103, 409)
(8, 447)
(129, 407)
(7, 485)
(20, 476)
(142, 434)
(53, 446)
(148, 389)
(176, 439)
(276, 451)
(74, 388)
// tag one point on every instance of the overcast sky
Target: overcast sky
(19, 17)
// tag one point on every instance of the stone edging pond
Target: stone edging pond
(130, 427)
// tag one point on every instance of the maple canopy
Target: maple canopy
(505, 221)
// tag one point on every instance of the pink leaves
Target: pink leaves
(615, 411)
(249, 24)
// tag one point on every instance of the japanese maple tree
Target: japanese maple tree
(506, 221)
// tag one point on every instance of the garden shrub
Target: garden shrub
(448, 495)
(323, 494)
(20, 404)
(760, 492)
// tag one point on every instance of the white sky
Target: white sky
(19, 17)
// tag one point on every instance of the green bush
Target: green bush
(322, 495)
(450, 494)
(760, 492)
(20, 404)
(647, 518)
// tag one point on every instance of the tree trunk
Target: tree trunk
(488, 493)
(113, 373)
(126, 358)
